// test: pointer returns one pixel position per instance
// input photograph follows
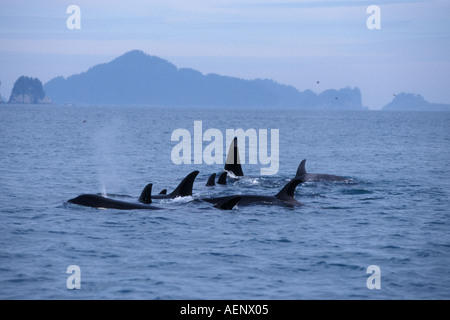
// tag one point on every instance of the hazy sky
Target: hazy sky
(292, 42)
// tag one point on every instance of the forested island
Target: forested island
(413, 102)
(136, 78)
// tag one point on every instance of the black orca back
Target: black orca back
(228, 203)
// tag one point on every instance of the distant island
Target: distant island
(28, 90)
(1, 98)
(414, 102)
(136, 78)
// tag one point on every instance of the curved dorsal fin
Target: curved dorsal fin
(233, 162)
(301, 171)
(210, 181)
(222, 178)
(184, 189)
(163, 191)
(146, 194)
(288, 190)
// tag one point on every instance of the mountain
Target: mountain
(413, 102)
(28, 90)
(137, 78)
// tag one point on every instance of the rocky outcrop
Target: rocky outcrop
(28, 90)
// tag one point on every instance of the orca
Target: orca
(146, 194)
(163, 191)
(305, 176)
(284, 197)
(211, 181)
(222, 178)
(228, 203)
(233, 162)
(101, 202)
(184, 189)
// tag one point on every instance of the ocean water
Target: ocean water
(393, 214)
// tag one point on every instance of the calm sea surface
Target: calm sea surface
(394, 214)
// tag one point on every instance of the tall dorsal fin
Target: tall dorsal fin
(233, 162)
(228, 203)
(146, 194)
(210, 181)
(288, 190)
(301, 171)
(163, 191)
(222, 178)
(184, 189)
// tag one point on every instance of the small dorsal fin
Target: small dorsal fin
(222, 178)
(228, 203)
(288, 190)
(184, 189)
(163, 191)
(210, 181)
(233, 162)
(301, 171)
(146, 194)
